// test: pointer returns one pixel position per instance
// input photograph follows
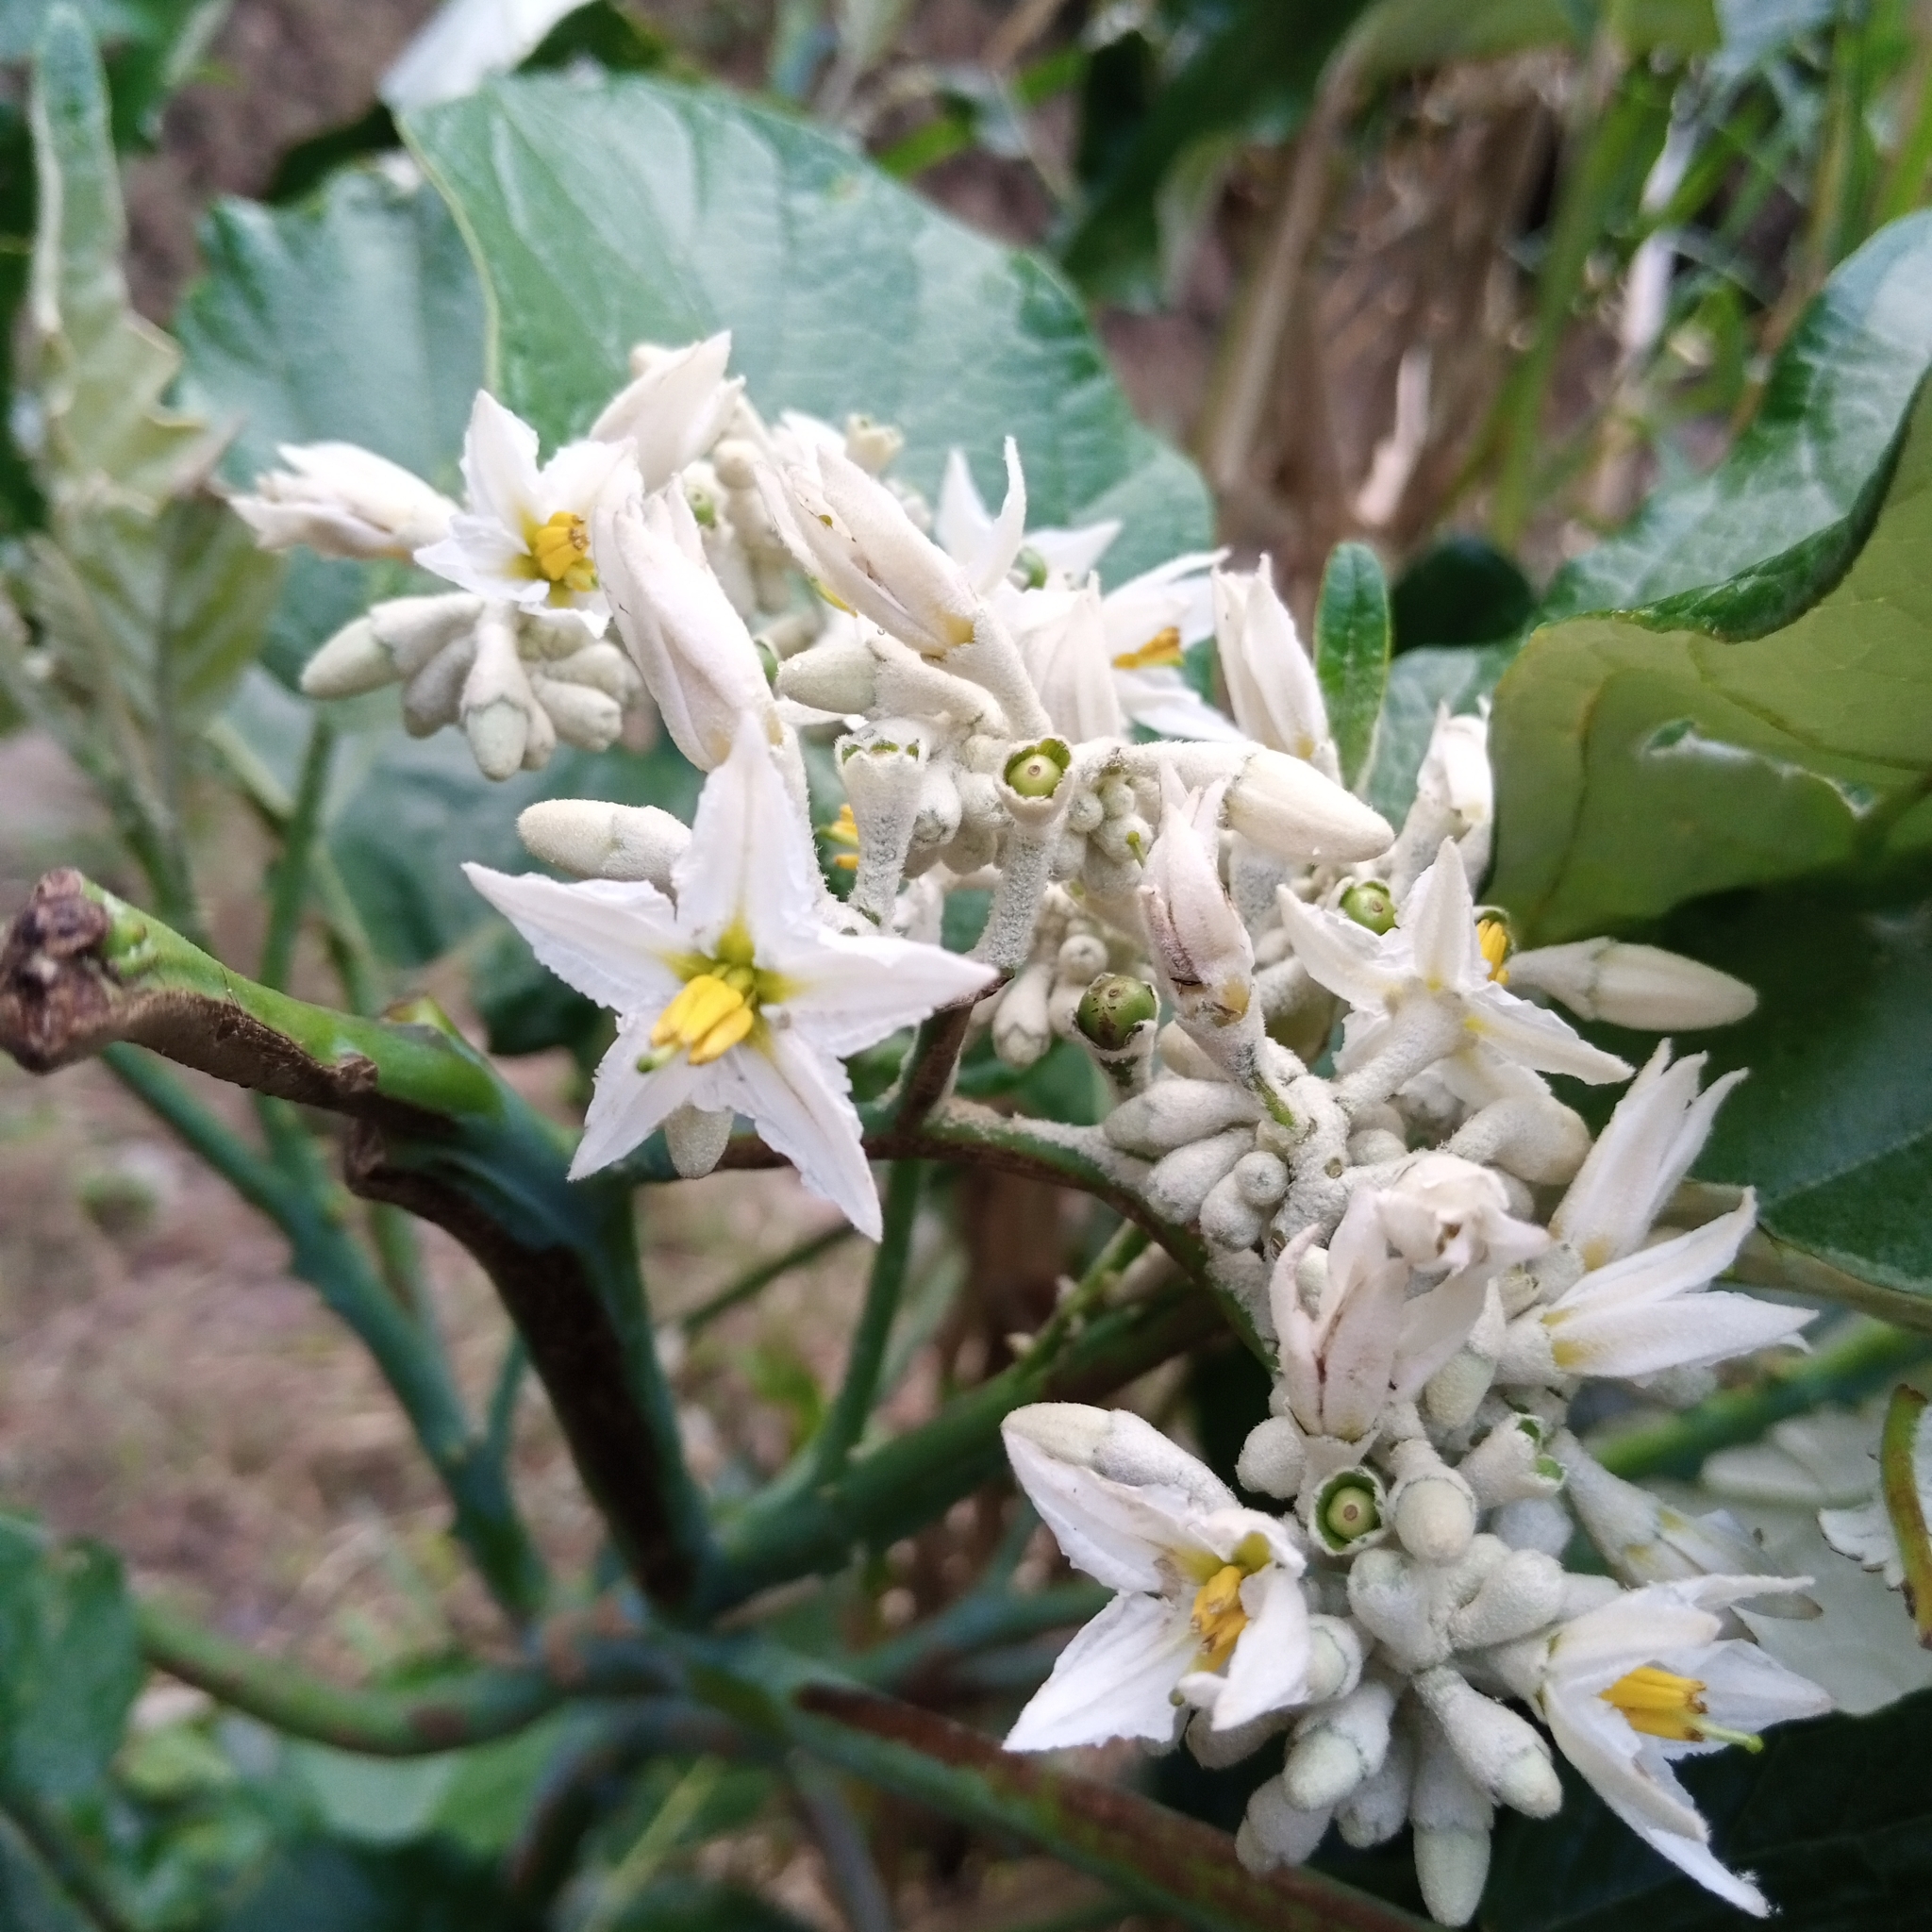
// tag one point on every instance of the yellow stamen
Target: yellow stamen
(697, 1010)
(561, 549)
(1162, 649)
(843, 830)
(1492, 937)
(724, 1036)
(846, 861)
(1219, 1618)
(1660, 1703)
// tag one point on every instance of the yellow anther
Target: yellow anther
(697, 1010)
(725, 1035)
(1164, 647)
(843, 830)
(846, 861)
(1219, 1618)
(1492, 935)
(561, 549)
(1660, 1703)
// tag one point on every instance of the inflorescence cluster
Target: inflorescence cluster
(1429, 1246)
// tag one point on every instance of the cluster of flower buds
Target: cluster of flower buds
(1425, 1240)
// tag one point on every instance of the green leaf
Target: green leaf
(1836, 397)
(623, 210)
(1352, 635)
(1647, 759)
(98, 370)
(1419, 682)
(70, 1665)
(1835, 1819)
(30, 1899)
(1834, 1126)
(320, 1886)
(1410, 36)
(1460, 590)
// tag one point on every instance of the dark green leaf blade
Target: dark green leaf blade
(1352, 641)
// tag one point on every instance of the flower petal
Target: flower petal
(1119, 1533)
(1677, 1266)
(626, 1106)
(1115, 1679)
(609, 939)
(500, 465)
(801, 1101)
(1688, 1331)
(750, 857)
(1164, 702)
(846, 991)
(1269, 1669)
(1534, 1037)
(1438, 921)
(1340, 954)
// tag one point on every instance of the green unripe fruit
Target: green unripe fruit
(1112, 1007)
(1369, 904)
(1035, 770)
(1350, 1513)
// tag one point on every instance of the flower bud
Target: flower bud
(1337, 1747)
(884, 767)
(393, 639)
(1508, 1465)
(1393, 1600)
(1523, 1593)
(588, 719)
(1272, 688)
(499, 710)
(432, 697)
(1641, 986)
(1336, 1655)
(1021, 1031)
(1452, 1818)
(1200, 944)
(1533, 1136)
(1176, 1113)
(675, 409)
(604, 842)
(839, 674)
(1504, 1753)
(696, 1138)
(1272, 1832)
(1432, 1508)
(1290, 810)
(678, 625)
(1179, 1182)
(343, 501)
(1217, 1750)
(1272, 1458)
(1236, 1210)
(1377, 1808)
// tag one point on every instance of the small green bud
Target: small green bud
(1112, 1006)
(1031, 568)
(1035, 770)
(1349, 1512)
(1369, 904)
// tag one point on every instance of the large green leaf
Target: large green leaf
(612, 212)
(1832, 407)
(1835, 1819)
(69, 1662)
(1834, 1126)
(1352, 629)
(1778, 726)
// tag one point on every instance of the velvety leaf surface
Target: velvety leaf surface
(623, 210)
(1352, 633)
(1648, 758)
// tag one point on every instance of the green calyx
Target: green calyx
(1369, 904)
(1035, 770)
(1113, 1007)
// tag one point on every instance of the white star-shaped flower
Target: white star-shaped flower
(1645, 1679)
(735, 998)
(1432, 965)
(1211, 1613)
(525, 533)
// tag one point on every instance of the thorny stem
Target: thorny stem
(323, 1255)
(1898, 1480)
(1866, 1359)
(755, 1279)
(852, 1407)
(291, 870)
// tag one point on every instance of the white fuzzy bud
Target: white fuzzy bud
(341, 500)
(1523, 1593)
(1537, 1522)
(1288, 808)
(1433, 1509)
(1113, 1442)
(1021, 1028)
(1505, 1754)
(604, 842)
(1180, 1181)
(1377, 1808)
(1451, 1818)
(1273, 1458)
(1337, 1747)
(1391, 1596)
(884, 765)
(1216, 1750)
(840, 675)
(1177, 1112)
(1532, 1136)
(1509, 1464)
(1273, 1832)
(696, 1137)
(1641, 986)
(1238, 1206)
(433, 695)
(588, 719)
(1336, 1655)
(499, 710)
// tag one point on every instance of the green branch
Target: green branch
(51, 1840)
(755, 1279)
(289, 873)
(851, 1407)
(1846, 1372)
